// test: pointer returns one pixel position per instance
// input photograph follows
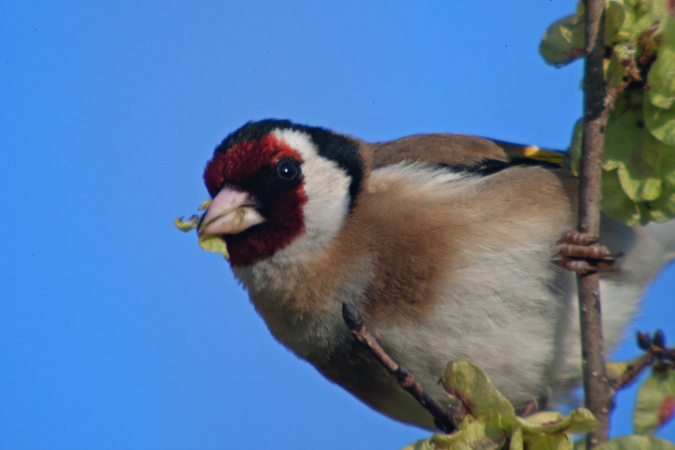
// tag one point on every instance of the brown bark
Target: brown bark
(596, 111)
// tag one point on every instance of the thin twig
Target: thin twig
(655, 349)
(632, 372)
(406, 380)
(596, 111)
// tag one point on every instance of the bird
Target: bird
(446, 244)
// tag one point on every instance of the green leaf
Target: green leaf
(517, 441)
(544, 441)
(636, 154)
(577, 421)
(623, 59)
(563, 42)
(636, 443)
(615, 16)
(616, 204)
(663, 208)
(424, 444)
(661, 124)
(622, 134)
(574, 151)
(486, 433)
(539, 422)
(187, 225)
(655, 401)
(193, 222)
(551, 430)
(639, 186)
(661, 77)
(469, 384)
(209, 243)
(214, 244)
(638, 17)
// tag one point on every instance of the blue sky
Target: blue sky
(116, 330)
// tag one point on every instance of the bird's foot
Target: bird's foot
(530, 408)
(583, 254)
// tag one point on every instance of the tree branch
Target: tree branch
(406, 380)
(596, 112)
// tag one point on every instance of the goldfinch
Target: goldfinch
(444, 243)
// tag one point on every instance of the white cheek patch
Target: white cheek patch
(327, 189)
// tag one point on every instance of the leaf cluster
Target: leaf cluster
(210, 243)
(638, 183)
(488, 421)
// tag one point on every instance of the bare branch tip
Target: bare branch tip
(352, 317)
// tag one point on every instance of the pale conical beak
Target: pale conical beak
(231, 212)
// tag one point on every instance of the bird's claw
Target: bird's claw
(583, 254)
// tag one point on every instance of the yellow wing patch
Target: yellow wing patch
(537, 154)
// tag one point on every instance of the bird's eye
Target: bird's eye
(288, 170)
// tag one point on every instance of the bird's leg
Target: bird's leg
(406, 380)
(533, 406)
(581, 253)
(529, 409)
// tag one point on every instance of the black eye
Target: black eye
(284, 174)
(287, 170)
